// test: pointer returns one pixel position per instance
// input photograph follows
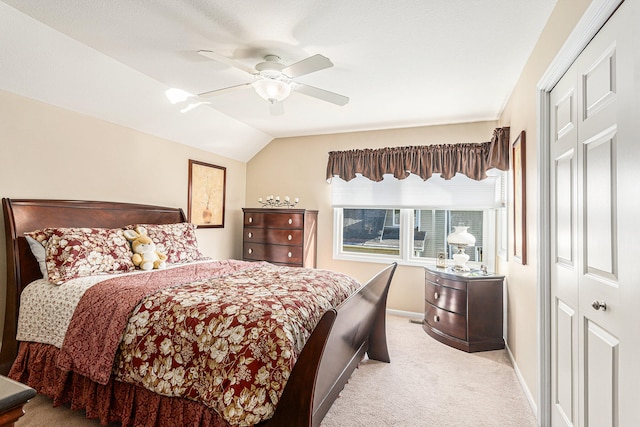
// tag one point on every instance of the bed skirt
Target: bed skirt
(116, 401)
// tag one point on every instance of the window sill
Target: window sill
(413, 262)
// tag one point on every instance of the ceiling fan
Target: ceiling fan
(274, 81)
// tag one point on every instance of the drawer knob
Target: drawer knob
(250, 219)
(436, 295)
(250, 251)
(290, 221)
(250, 235)
(436, 318)
(289, 254)
(289, 237)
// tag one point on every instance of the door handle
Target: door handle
(597, 305)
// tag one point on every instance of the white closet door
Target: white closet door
(594, 134)
(564, 250)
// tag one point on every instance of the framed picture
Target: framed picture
(207, 184)
(518, 158)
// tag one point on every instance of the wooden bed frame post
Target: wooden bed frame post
(9, 346)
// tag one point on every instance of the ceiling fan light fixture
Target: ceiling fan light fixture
(175, 95)
(274, 81)
(272, 90)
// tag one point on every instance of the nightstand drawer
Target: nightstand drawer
(273, 220)
(274, 253)
(439, 280)
(273, 235)
(452, 324)
(450, 299)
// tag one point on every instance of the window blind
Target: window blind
(459, 192)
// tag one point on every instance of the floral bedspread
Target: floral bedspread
(229, 342)
(101, 315)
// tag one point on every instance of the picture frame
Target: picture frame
(441, 260)
(518, 159)
(207, 194)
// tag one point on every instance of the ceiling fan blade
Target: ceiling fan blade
(322, 94)
(306, 66)
(276, 109)
(223, 90)
(228, 61)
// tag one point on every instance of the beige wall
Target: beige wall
(520, 114)
(48, 152)
(296, 167)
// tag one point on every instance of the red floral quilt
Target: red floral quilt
(228, 341)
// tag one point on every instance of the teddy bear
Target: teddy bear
(145, 256)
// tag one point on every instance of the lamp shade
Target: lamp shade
(272, 90)
(461, 237)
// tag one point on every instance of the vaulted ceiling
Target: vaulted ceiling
(401, 63)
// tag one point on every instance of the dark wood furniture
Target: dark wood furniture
(280, 236)
(13, 397)
(331, 354)
(463, 310)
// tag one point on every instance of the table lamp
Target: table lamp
(461, 238)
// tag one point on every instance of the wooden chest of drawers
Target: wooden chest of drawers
(464, 311)
(280, 236)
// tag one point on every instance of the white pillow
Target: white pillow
(38, 251)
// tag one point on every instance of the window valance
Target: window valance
(470, 159)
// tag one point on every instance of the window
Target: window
(393, 220)
(377, 232)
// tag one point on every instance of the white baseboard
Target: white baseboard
(523, 384)
(532, 403)
(409, 314)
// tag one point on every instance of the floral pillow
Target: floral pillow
(78, 252)
(178, 241)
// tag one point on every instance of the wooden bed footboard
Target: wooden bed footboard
(331, 354)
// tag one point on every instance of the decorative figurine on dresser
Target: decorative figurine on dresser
(464, 309)
(280, 236)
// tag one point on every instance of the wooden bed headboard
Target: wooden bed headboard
(23, 215)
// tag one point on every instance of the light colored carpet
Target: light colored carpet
(426, 384)
(430, 384)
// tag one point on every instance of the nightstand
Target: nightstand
(464, 310)
(13, 396)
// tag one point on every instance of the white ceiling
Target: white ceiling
(402, 63)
